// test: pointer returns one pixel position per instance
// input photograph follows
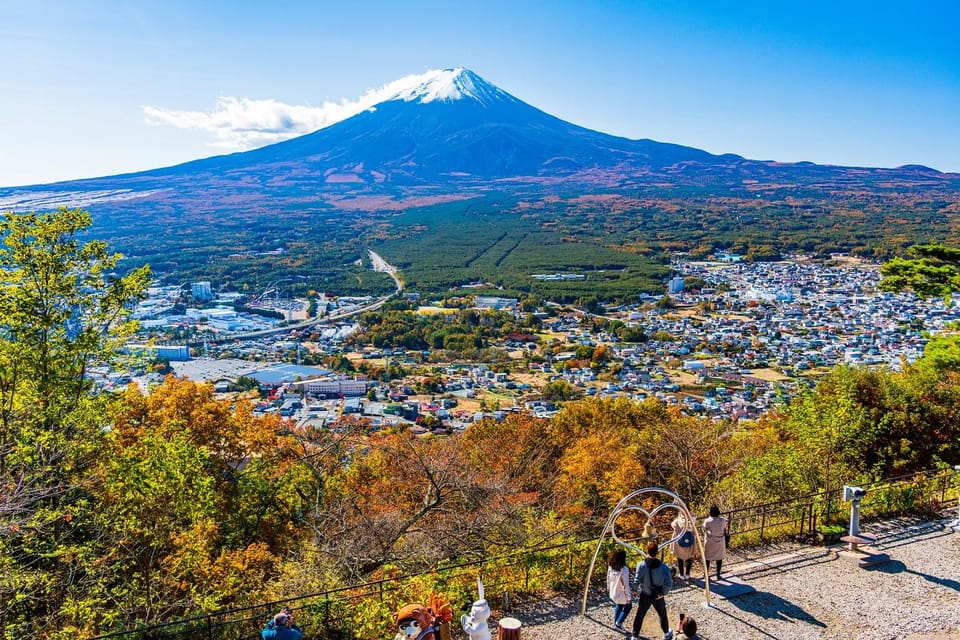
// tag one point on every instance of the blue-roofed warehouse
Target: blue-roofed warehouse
(278, 374)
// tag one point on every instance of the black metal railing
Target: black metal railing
(803, 514)
(331, 613)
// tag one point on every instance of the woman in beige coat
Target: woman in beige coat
(715, 538)
(683, 547)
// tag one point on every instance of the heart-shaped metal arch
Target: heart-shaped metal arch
(625, 506)
(649, 514)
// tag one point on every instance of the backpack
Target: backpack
(656, 590)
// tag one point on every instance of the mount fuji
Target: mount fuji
(451, 130)
(454, 180)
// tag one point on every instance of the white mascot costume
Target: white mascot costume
(475, 625)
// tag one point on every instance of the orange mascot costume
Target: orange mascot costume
(417, 622)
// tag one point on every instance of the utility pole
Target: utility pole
(955, 525)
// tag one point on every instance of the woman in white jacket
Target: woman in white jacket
(618, 586)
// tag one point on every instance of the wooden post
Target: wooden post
(445, 631)
(509, 629)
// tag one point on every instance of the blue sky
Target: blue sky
(99, 87)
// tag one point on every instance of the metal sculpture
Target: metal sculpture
(675, 503)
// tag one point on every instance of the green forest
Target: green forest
(447, 246)
(132, 508)
(620, 239)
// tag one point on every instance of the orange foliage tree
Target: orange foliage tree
(194, 506)
(610, 447)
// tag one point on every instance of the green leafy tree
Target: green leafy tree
(591, 304)
(63, 310)
(246, 383)
(559, 390)
(631, 334)
(666, 302)
(942, 352)
(763, 253)
(932, 270)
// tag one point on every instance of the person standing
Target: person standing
(683, 546)
(653, 582)
(618, 585)
(715, 539)
(282, 627)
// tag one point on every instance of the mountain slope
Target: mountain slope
(455, 130)
(431, 134)
(456, 181)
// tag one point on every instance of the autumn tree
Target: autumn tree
(397, 500)
(559, 390)
(196, 504)
(601, 459)
(610, 447)
(687, 454)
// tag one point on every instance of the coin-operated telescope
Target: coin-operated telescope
(856, 538)
(854, 495)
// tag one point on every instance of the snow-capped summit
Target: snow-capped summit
(447, 131)
(438, 126)
(447, 85)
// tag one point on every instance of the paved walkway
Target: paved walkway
(800, 592)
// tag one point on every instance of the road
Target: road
(378, 264)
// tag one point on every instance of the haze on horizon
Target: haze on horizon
(106, 88)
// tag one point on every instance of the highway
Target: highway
(379, 264)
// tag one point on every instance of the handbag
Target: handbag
(686, 540)
(627, 589)
(622, 588)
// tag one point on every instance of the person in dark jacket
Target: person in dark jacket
(653, 581)
(282, 627)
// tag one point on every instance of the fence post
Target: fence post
(763, 521)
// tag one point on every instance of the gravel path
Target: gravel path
(802, 593)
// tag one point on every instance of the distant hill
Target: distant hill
(457, 138)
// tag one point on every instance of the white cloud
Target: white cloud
(245, 123)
